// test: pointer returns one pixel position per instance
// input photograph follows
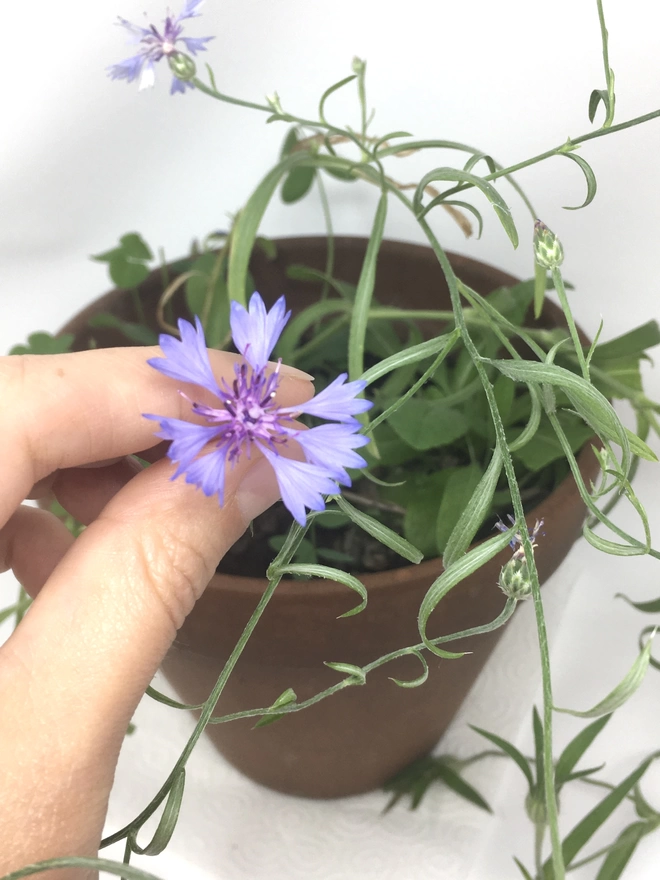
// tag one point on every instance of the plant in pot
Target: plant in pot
(487, 438)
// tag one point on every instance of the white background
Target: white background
(84, 159)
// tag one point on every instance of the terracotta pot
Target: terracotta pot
(355, 740)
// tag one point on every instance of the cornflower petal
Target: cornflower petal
(189, 10)
(148, 76)
(301, 484)
(134, 30)
(179, 86)
(195, 44)
(208, 474)
(187, 359)
(256, 330)
(128, 69)
(337, 402)
(188, 439)
(331, 446)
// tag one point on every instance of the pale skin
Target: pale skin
(107, 605)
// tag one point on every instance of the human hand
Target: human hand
(108, 604)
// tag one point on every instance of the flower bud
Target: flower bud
(274, 102)
(548, 251)
(182, 66)
(514, 580)
(535, 808)
(358, 65)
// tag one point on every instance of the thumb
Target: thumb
(97, 631)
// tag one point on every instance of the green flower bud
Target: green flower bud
(535, 808)
(548, 251)
(182, 66)
(274, 103)
(514, 580)
(358, 65)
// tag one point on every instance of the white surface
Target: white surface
(512, 78)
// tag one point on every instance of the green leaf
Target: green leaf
(540, 279)
(134, 247)
(584, 830)
(412, 355)
(329, 91)
(650, 607)
(117, 869)
(207, 296)
(127, 274)
(428, 424)
(454, 174)
(290, 142)
(523, 870)
(167, 823)
(285, 699)
(623, 691)
(546, 447)
(537, 728)
(622, 850)
(423, 497)
(380, 532)
(348, 669)
(576, 748)
(594, 408)
(332, 574)
(364, 293)
(461, 484)
(44, 343)
(247, 224)
(590, 177)
(639, 447)
(416, 682)
(305, 551)
(634, 342)
(595, 98)
(474, 512)
(297, 184)
(462, 568)
(457, 784)
(510, 750)
(137, 333)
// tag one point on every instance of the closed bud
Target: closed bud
(274, 102)
(514, 580)
(359, 66)
(535, 808)
(182, 66)
(548, 251)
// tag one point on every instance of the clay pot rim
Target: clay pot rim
(390, 579)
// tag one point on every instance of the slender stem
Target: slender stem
(350, 681)
(550, 794)
(609, 76)
(539, 835)
(568, 314)
(205, 715)
(329, 235)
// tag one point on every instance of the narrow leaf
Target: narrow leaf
(167, 823)
(590, 178)
(457, 572)
(623, 691)
(457, 784)
(650, 607)
(576, 748)
(416, 682)
(297, 184)
(473, 514)
(380, 532)
(510, 750)
(622, 850)
(348, 669)
(137, 333)
(332, 574)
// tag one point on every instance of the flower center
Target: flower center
(249, 413)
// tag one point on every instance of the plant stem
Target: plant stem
(609, 76)
(558, 281)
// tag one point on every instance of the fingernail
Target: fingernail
(257, 491)
(294, 372)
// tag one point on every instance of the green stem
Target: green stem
(205, 715)
(539, 835)
(351, 681)
(609, 76)
(558, 281)
(550, 795)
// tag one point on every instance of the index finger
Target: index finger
(65, 410)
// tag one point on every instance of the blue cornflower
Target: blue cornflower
(516, 541)
(247, 415)
(154, 45)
